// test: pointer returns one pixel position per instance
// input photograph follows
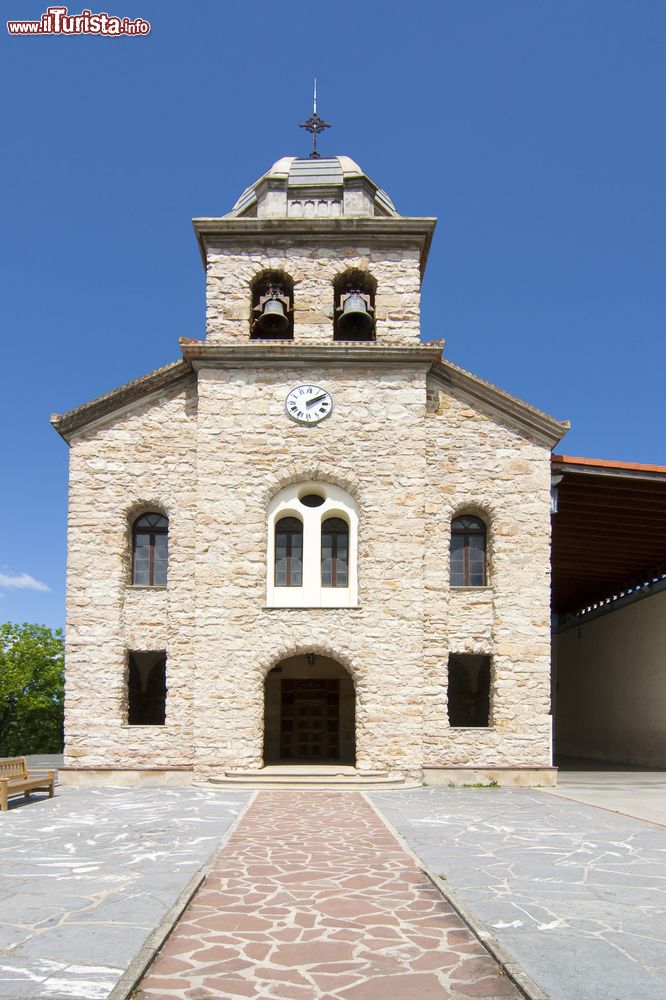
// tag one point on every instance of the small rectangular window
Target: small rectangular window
(142, 559)
(296, 564)
(457, 561)
(161, 558)
(477, 561)
(469, 690)
(146, 688)
(326, 561)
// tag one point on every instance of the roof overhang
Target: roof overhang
(258, 232)
(201, 354)
(609, 532)
(538, 425)
(114, 402)
(602, 466)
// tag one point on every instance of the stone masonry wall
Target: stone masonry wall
(395, 644)
(313, 270)
(410, 473)
(478, 464)
(372, 445)
(141, 460)
(212, 453)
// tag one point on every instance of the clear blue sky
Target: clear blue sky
(533, 130)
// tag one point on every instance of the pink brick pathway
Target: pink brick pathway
(313, 898)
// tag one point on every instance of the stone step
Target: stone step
(304, 770)
(309, 777)
(351, 784)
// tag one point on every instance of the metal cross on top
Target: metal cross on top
(315, 124)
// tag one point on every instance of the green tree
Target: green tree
(32, 684)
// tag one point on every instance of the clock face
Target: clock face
(308, 404)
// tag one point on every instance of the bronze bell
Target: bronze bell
(273, 319)
(273, 313)
(356, 319)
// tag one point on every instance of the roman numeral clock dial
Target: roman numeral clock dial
(308, 404)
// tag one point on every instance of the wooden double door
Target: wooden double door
(310, 720)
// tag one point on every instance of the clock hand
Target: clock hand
(317, 399)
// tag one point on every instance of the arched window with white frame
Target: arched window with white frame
(312, 547)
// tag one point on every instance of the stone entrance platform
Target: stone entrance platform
(313, 897)
(335, 776)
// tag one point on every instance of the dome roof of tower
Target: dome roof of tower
(325, 187)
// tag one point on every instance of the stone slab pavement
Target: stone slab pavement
(313, 898)
(86, 876)
(636, 792)
(575, 894)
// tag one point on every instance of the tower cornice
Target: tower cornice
(418, 230)
(272, 355)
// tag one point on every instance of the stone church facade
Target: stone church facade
(313, 539)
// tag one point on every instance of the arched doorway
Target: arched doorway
(309, 712)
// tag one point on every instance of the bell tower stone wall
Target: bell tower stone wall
(313, 265)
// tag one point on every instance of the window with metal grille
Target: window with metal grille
(468, 552)
(334, 552)
(288, 552)
(150, 536)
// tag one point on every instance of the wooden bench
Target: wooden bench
(16, 778)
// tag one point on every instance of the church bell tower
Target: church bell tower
(314, 252)
(312, 390)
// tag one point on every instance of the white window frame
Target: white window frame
(337, 503)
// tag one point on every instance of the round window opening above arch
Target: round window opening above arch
(310, 499)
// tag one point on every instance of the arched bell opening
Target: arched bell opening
(354, 293)
(272, 312)
(309, 712)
